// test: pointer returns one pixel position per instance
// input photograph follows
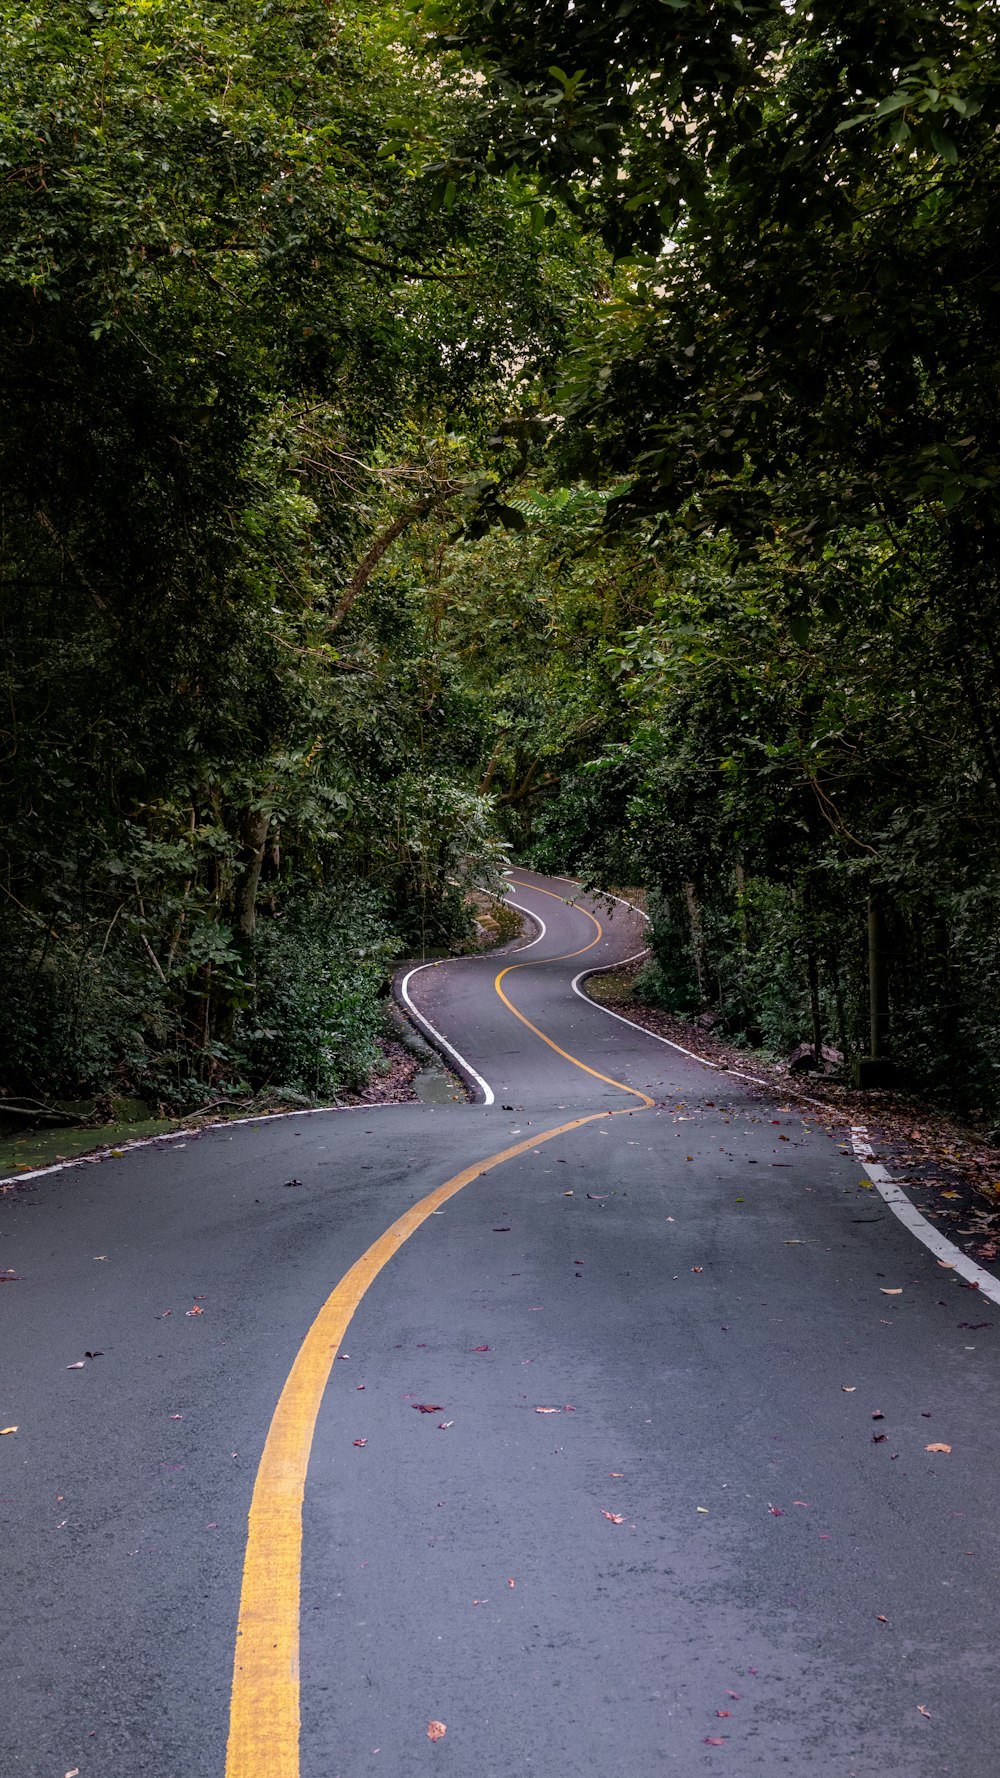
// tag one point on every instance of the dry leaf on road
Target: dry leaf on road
(615, 1518)
(5, 1429)
(436, 1730)
(924, 1711)
(427, 1407)
(896, 1291)
(937, 1447)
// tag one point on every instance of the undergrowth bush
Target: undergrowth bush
(321, 969)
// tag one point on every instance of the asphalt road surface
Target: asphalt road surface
(591, 1474)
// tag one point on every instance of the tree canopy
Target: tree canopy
(435, 430)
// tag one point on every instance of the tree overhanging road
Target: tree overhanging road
(651, 1524)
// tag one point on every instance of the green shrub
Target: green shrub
(316, 1011)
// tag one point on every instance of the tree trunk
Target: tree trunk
(253, 836)
(697, 938)
(878, 986)
(812, 970)
(370, 562)
(741, 906)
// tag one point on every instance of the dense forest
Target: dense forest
(442, 434)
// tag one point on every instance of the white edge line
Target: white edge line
(263, 1117)
(220, 1123)
(489, 1097)
(951, 1256)
(655, 1035)
(603, 968)
(944, 1250)
(531, 916)
(464, 1066)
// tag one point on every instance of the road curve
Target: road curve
(652, 1524)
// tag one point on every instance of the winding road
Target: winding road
(591, 1423)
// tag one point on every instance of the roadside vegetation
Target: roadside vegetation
(430, 436)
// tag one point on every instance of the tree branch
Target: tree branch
(370, 562)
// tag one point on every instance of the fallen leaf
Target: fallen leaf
(880, 1619)
(427, 1407)
(736, 1695)
(290, 1182)
(615, 1518)
(800, 1503)
(360, 1443)
(510, 1581)
(778, 1511)
(877, 1414)
(697, 1268)
(723, 1713)
(898, 1291)
(480, 1348)
(848, 1388)
(443, 1425)
(505, 1231)
(195, 1311)
(436, 1731)
(924, 1711)
(715, 1740)
(75, 1773)
(937, 1447)
(701, 1509)
(5, 1429)
(548, 1410)
(78, 1366)
(618, 1474)
(879, 1438)
(93, 1355)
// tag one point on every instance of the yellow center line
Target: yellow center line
(564, 958)
(264, 1711)
(264, 1718)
